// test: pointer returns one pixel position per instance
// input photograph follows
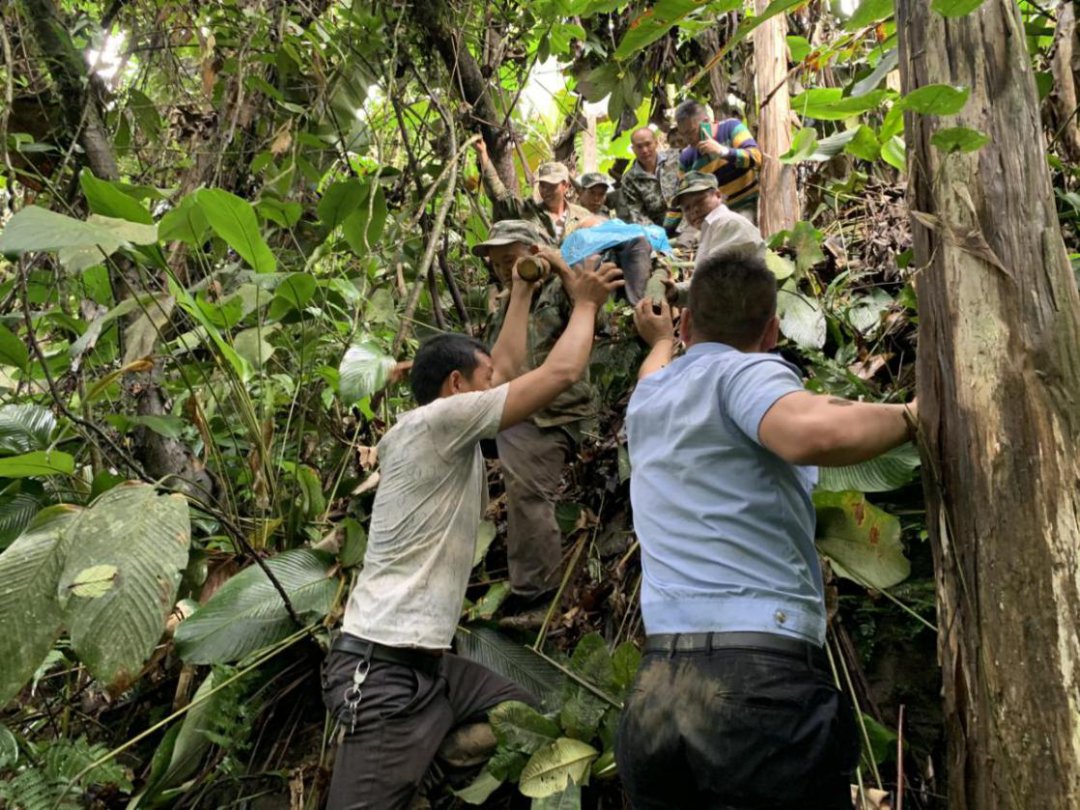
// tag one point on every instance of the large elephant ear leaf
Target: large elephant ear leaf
(123, 558)
(860, 540)
(29, 614)
(247, 613)
(887, 472)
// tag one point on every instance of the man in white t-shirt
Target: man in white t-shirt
(702, 206)
(389, 680)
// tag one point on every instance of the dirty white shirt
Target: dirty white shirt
(430, 502)
(723, 229)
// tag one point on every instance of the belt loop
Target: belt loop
(674, 645)
(708, 643)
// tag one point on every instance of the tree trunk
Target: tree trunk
(778, 202)
(1064, 96)
(999, 382)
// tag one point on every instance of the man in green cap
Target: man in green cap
(553, 213)
(593, 188)
(534, 452)
(702, 205)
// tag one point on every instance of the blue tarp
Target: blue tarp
(587, 241)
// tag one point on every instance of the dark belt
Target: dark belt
(426, 661)
(672, 643)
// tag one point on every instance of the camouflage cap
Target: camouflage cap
(694, 181)
(552, 172)
(507, 232)
(591, 179)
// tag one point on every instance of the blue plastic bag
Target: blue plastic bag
(586, 241)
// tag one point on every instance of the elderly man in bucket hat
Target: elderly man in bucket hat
(534, 452)
(554, 214)
(702, 205)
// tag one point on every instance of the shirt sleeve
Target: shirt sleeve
(461, 420)
(748, 394)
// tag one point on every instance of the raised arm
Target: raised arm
(657, 331)
(509, 354)
(505, 203)
(567, 360)
(806, 428)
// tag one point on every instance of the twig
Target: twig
(900, 760)
(451, 285)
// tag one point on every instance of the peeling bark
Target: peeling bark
(1064, 96)
(999, 379)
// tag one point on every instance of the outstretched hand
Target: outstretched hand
(653, 326)
(589, 287)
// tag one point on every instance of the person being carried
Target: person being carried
(389, 682)
(553, 214)
(651, 180)
(724, 148)
(734, 703)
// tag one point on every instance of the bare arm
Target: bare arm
(506, 205)
(806, 428)
(566, 361)
(510, 351)
(656, 330)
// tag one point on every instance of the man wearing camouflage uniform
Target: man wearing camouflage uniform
(593, 190)
(651, 180)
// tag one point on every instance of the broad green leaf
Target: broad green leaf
(781, 266)
(185, 223)
(506, 764)
(802, 146)
(79, 244)
(830, 104)
(234, 220)
(830, 147)
(363, 228)
(479, 790)
(894, 152)
(485, 534)
(798, 47)
(592, 661)
(13, 352)
(253, 346)
(581, 713)
(29, 612)
(9, 748)
(886, 64)
(364, 370)
(887, 472)
(16, 512)
(519, 727)
(171, 427)
(865, 145)
(108, 200)
(354, 546)
(292, 294)
(556, 766)
(936, 99)
(868, 13)
(247, 613)
(94, 581)
(340, 200)
(37, 463)
(625, 662)
(882, 740)
(654, 22)
(959, 139)
(805, 239)
(25, 427)
(801, 319)
(861, 541)
(145, 536)
(569, 799)
(512, 660)
(955, 8)
(487, 605)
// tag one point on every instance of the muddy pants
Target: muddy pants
(403, 717)
(532, 461)
(736, 729)
(634, 258)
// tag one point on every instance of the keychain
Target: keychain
(353, 693)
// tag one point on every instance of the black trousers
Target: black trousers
(403, 717)
(736, 729)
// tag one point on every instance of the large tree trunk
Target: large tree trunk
(999, 383)
(778, 202)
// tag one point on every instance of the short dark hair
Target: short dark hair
(437, 358)
(690, 109)
(732, 297)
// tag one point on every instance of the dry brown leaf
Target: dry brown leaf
(282, 140)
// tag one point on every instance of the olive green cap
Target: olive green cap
(507, 232)
(590, 179)
(552, 172)
(694, 181)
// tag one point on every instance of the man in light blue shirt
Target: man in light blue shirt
(734, 706)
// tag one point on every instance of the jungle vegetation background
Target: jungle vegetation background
(223, 225)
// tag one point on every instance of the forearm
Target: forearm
(859, 431)
(659, 356)
(509, 353)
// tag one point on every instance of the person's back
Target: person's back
(734, 705)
